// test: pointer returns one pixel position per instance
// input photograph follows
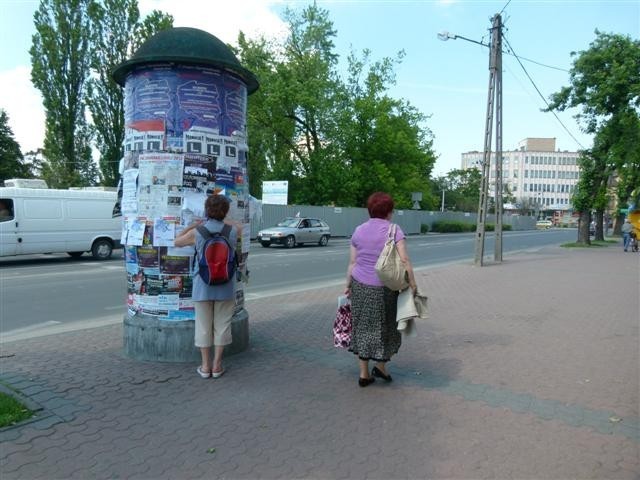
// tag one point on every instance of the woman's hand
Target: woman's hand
(347, 292)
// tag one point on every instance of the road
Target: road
(41, 291)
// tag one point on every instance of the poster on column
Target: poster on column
(199, 174)
(183, 125)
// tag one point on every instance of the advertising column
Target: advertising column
(185, 139)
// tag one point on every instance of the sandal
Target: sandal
(202, 373)
(217, 374)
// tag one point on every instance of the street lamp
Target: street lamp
(444, 36)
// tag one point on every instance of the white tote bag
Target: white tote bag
(389, 267)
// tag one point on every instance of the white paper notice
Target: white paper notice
(246, 237)
(164, 231)
(129, 191)
(136, 232)
(195, 202)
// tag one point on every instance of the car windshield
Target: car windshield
(288, 222)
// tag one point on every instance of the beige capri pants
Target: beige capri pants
(213, 322)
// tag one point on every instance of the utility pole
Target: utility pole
(494, 96)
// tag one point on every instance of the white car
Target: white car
(544, 224)
(293, 231)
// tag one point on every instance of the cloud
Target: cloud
(221, 18)
(23, 104)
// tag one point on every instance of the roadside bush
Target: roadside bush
(490, 227)
(424, 227)
(451, 226)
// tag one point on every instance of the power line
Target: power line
(539, 93)
(504, 7)
(447, 35)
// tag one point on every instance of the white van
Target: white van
(34, 220)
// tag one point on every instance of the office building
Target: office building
(536, 173)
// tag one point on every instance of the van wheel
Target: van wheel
(291, 241)
(265, 244)
(323, 241)
(75, 254)
(102, 249)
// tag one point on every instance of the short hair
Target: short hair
(380, 205)
(216, 207)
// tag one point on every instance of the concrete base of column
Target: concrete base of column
(148, 338)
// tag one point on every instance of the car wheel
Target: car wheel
(323, 241)
(291, 241)
(265, 244)
(102, 249)
(75, 254)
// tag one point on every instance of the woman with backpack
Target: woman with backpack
(214, 304)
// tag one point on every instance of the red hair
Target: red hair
(380, 205)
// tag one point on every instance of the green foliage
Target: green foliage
(11, 164)
(452, 226)
(490, 227)
(424, 228)
(336, 141)
(12, 411)
(461, 187)
(60, 69)
(605, 86)
(116, 32)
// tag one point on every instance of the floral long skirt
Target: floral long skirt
(375, 334)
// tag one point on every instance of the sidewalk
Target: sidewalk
(528, 369)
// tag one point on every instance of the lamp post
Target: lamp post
(494, 97)
(442, 204)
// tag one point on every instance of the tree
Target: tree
(60, 69)
(605, 85)
(384, 140)
(462, 189)
(11, 164)
(116, 33)
(335, 141)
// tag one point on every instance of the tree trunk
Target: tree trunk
(583, 228)
(599, 226)
(617, 225)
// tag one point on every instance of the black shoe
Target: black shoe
(378, 373)
(363, 382)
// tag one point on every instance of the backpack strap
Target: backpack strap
(204, 231)
(226, 231)
(206, 234)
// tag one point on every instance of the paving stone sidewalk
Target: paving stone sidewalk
(528, 369)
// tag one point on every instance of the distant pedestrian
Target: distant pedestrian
(214, 304)
(375, 334)
(627, 228)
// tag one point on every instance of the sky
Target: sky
(446, 81)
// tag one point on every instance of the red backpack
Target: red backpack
(218, 262)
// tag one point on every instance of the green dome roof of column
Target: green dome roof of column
(186, 46)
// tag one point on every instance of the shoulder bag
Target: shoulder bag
(389, 267)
